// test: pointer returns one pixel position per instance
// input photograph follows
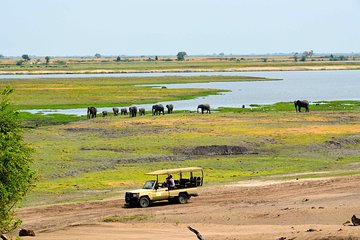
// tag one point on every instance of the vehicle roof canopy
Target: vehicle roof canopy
(175, 170)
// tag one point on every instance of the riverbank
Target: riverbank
(299, 209)
(110, 67)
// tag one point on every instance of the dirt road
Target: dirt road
(302, 209)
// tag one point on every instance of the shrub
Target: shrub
(15, 159)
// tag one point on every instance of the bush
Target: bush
(19, 63)
(60, 62)
(15, 159)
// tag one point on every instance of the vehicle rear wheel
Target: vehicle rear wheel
(144, 202)
(183, 198)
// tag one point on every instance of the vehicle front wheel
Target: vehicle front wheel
(183, 198)
(144, 202)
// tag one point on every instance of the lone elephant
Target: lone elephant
(132, 111)
(116, 111)
(123, 111)
(157, 109)
(301, 104)
(170, 108)
(91, 112)
(204, 107)
(141, 111)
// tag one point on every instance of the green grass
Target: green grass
(96, 159)
(106, 92)
(339, 105)
(37, 120)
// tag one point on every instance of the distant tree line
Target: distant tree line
(304, 56)
(337, 58)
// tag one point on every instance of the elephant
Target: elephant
(104, 113)
(116, 111)
(170, 108)
(132, 111)
(301, 104)
(123, 111)
(141, 111)
(157, 109)
(204, 107)
(91, 112)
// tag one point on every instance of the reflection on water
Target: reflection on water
(310, 85)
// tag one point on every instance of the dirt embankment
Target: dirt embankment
(237, 69)
(303, 209)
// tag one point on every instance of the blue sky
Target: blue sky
(164, 27)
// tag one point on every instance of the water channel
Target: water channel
(310, 85)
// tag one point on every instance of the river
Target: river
(310, 85)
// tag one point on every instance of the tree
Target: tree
(118, 59)
(98, 55)
(15, 159)
(296, 57)
(19, 63)
(47, 59)
(156, 58)
(308, 53)
(181, 56)
(26, 57)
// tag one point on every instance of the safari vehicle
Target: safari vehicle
(186, 182)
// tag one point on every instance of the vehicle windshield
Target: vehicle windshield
(149, 184)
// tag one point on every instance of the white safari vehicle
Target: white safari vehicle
(186, 182)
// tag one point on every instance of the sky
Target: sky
(165, 27)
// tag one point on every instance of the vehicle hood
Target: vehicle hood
(140, 190)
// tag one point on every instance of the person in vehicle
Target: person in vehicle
(170, 182)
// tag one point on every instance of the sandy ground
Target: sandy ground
(302, 209)
(240, 69)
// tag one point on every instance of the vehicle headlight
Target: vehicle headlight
(135, 195)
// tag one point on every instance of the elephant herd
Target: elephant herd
(159, 109)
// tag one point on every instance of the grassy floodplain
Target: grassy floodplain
(169, 64)
(107, 92)
(97, 158)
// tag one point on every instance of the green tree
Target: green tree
(98, 55)
(181, 56)
(47, 59)
(19, 63)
(118, 59)
(26, 57)
(296, 57)
(15, 159)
